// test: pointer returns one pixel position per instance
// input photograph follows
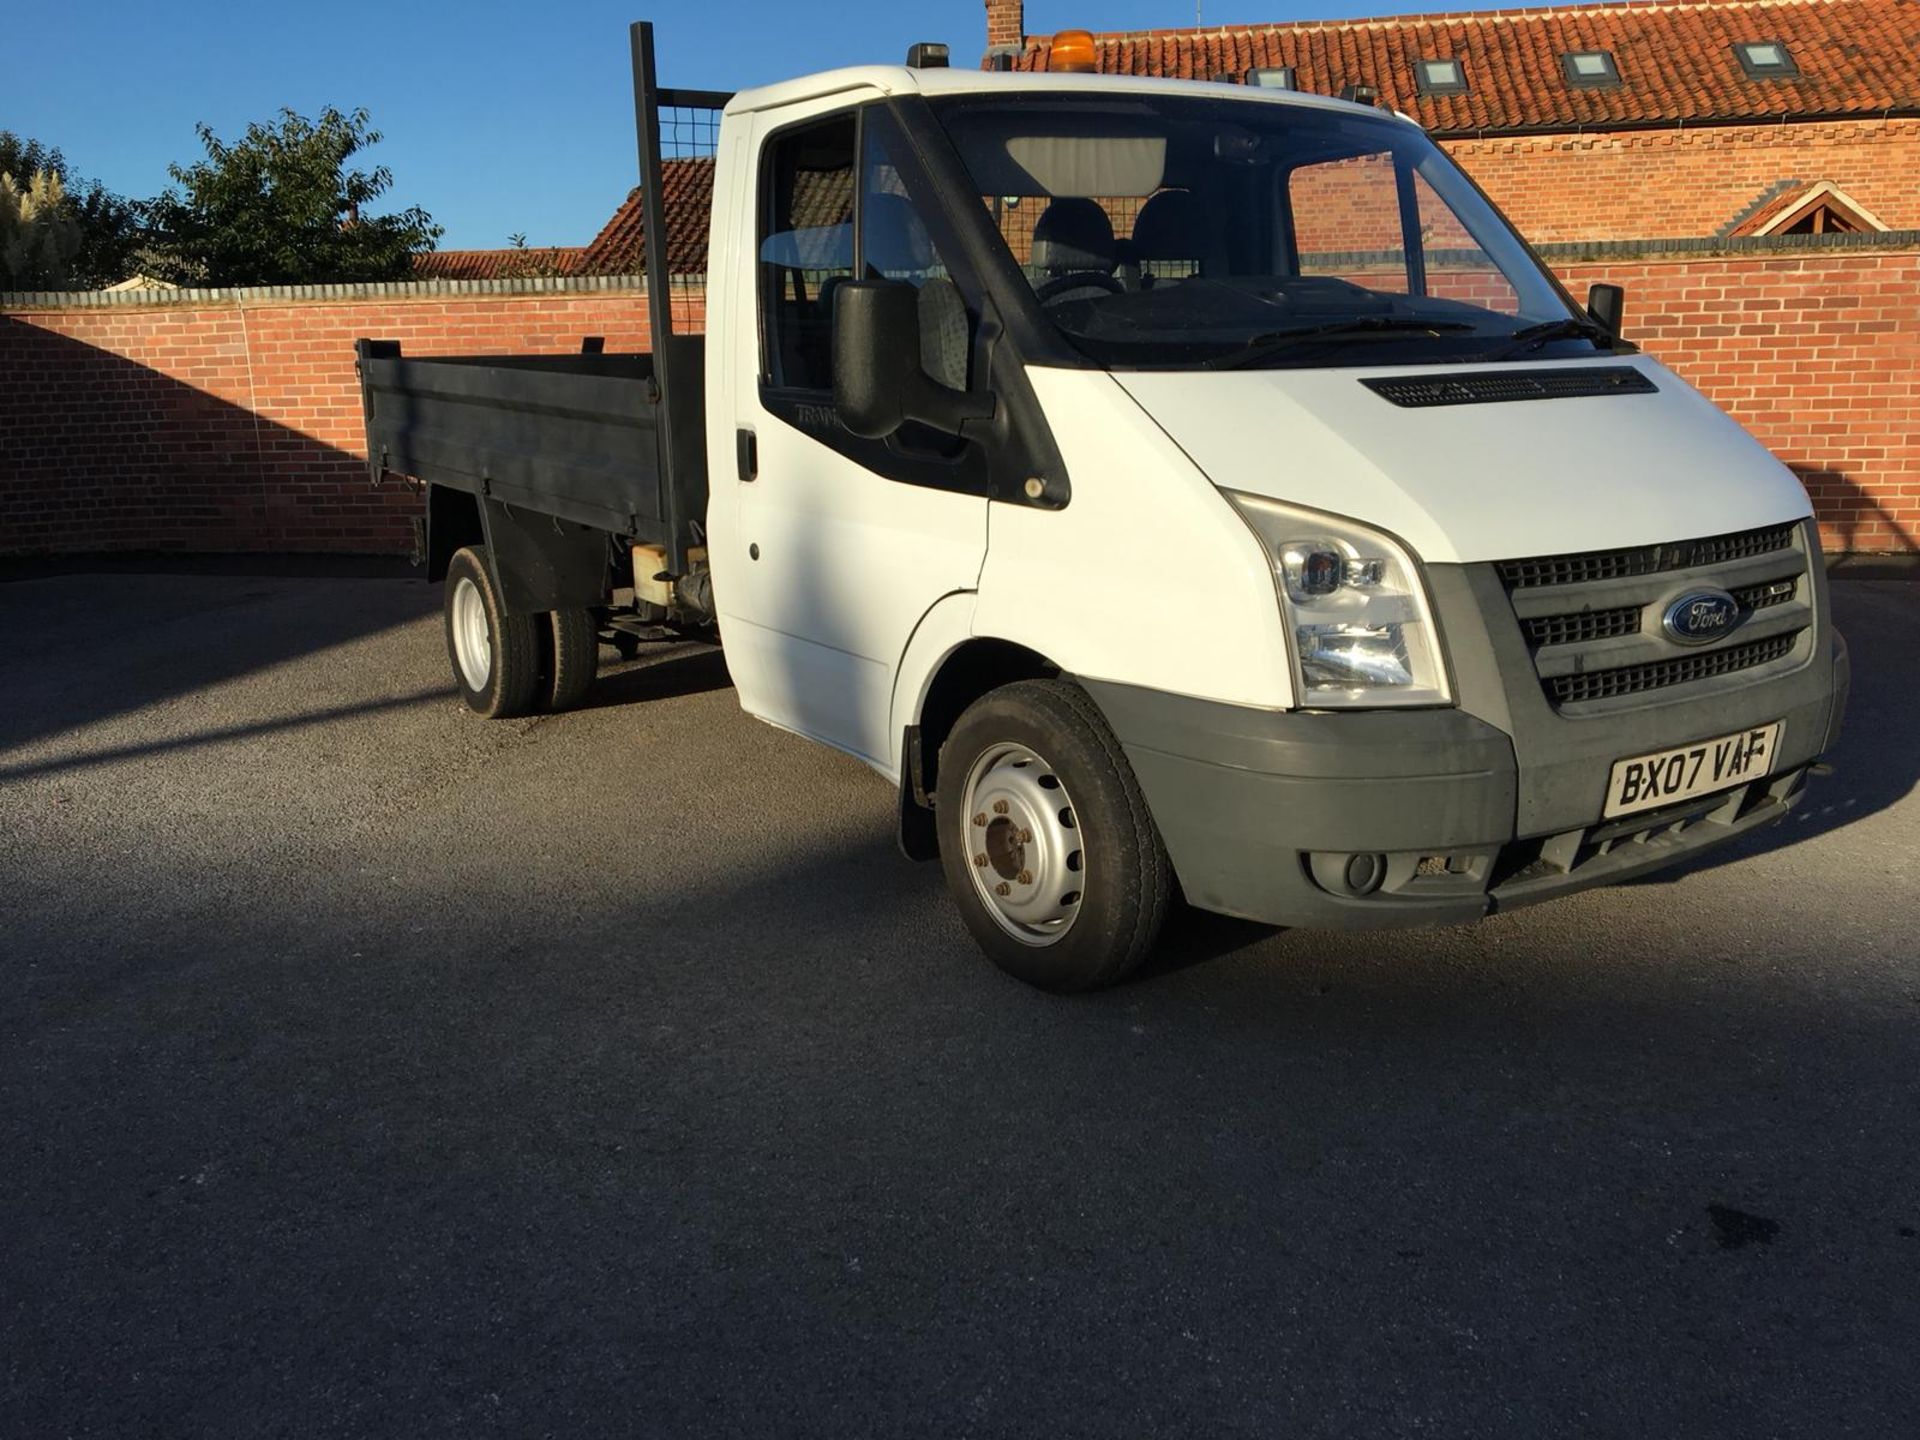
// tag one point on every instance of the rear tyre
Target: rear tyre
(1048, 848)
(496, 658)
(575, 658)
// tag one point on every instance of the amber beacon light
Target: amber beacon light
(1071, 52)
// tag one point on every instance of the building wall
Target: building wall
(1817, 355)
(1680, 184)
(233, 423)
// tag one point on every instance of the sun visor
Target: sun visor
(812, 247)
(1090, 164)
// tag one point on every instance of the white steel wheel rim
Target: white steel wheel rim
(472, 646)
(1023, 845)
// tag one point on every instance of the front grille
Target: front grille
(1762, 597)
(1637, 679)
(1586, 625)
(1483, 387)
(1604, 642)
(1740, 546)
(1589, 566)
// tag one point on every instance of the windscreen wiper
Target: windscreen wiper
(1532, 337)
(1275, 341)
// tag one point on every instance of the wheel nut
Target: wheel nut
(981, 818)
(1025, 877)
(980, 860)
(1026, 837)
(1003, 888)
(1000, 807)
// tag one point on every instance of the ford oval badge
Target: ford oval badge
(1701, 615)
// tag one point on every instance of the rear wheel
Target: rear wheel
(1048, 848)
(496, 659)
(574, 657)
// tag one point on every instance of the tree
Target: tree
(21, 156)
(110, 228)
(38, 238)
(528, 263)
(279, 207)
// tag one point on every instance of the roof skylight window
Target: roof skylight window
(1765, 59)
(1590, 69)
(1440, 77)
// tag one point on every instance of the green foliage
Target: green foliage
(528, 263)
(38, 235)
(109, 227)
(280, 207)
(112, 232)
(26, 156)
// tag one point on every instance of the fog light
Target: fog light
(1365, 872)
(1353, 875)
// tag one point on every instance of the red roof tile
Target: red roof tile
(686, 187)
(825, 198)
(497, 264)
(1676, 61)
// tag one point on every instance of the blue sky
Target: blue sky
(499, 117)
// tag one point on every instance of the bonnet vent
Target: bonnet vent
(1486, 387)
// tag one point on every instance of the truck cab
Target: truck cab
(1186, 490)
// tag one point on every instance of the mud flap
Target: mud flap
(918, 837)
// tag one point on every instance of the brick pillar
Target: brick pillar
(1006, 27)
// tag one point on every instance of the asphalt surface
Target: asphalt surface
(367, 1068)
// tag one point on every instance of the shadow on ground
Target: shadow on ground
(405, 1074)
(153, 635)
(1876, 764)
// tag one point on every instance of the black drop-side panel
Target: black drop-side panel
(1487, 387)
(574, 437)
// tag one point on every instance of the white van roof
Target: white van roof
(904, 80)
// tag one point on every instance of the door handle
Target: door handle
(746, 454)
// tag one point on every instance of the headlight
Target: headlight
(1352, 598)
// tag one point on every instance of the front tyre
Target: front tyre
(496, 656)
(1048, 848)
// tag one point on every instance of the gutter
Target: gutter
(1678, 122)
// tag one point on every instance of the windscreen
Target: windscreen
(1177, 231)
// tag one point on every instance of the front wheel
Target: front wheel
(1048, 848)
(496, 657)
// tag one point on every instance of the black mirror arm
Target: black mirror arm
(957, 412)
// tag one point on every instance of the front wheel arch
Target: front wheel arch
(970, 670)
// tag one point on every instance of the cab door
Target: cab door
(837, 545)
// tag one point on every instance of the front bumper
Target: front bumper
(1386, 818)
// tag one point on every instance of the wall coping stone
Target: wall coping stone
(1689, 247)
(283, 294)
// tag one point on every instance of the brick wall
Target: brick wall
(232, 422)
(1817, 354)
(1629, 184)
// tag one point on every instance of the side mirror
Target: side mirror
(878, 381)
(1607, 305)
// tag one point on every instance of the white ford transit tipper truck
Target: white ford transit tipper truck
(1172, 488)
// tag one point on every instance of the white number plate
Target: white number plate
(1645, 782)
